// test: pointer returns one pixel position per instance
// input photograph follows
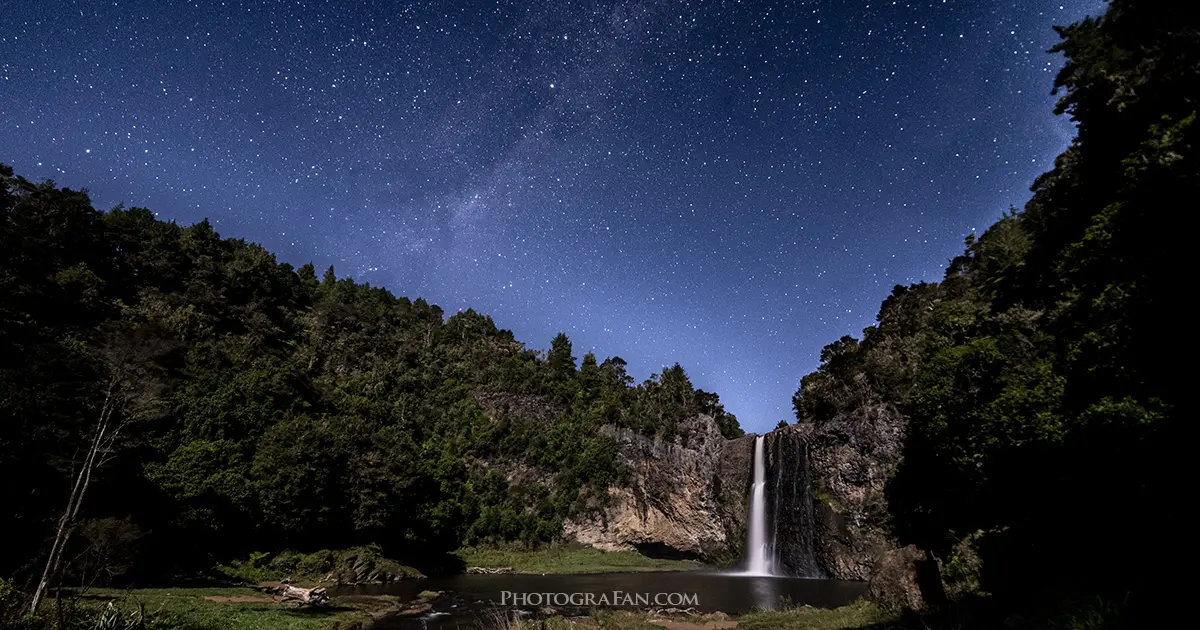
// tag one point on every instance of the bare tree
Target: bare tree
(133, 390)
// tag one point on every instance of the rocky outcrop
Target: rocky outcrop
(735, 474)
(683, 498)
(849, 459)
(905, 579)
(544, 409)
(790, 505)
(826, 493)
(825, 501)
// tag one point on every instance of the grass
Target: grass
(242, 609)
(599, 619)
(319, 567)
(623, 620)
(860, 614)
(971, 614)
(569, 560)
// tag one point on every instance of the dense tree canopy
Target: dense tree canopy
(290, 410)
(1043, 403)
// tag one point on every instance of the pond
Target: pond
(468, 599)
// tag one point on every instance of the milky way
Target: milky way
(730, 185)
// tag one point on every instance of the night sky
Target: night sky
(730, 185)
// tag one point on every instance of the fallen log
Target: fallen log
(302, 596)
(489, 570)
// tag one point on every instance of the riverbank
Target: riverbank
(861, 614)
(569, 560)
(237, 608)
(243, 605)
(1096, 613)
(249, 609)
(244, 608)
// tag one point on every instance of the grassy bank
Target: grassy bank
(860, 614)
(857, 615)
(249, 609)
(569, 560)
(1094, 613)
(240, 609)
(336, 566)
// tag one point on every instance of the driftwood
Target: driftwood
(302, 596)
(489, 570)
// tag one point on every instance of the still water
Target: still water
(469, 599)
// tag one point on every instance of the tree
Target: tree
(304, 410)
(1036, 379)
(132, 390)
(616, 374)
(562, 363)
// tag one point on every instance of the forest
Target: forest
(1042, 392)
(173, 399)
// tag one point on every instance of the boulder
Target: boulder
(905, 578)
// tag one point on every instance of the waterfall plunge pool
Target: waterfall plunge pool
(475, 601)
(471, 600)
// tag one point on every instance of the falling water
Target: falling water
(758, 550)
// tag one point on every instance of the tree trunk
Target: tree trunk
(135, 387)
(66, 523)
(310, 596)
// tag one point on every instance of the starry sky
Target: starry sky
(730, 185)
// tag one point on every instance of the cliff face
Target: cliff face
(790, 505)
(849, 459)
(681, 498)
(825, 498)
(826, 493)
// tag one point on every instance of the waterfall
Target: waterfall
(758, 548)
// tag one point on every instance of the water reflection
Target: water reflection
(466, 597)
(766, 593)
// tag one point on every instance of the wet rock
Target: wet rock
(416, 608)
(849, 458)
(791, 509)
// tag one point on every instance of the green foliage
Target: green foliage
(12, 605)
(241, 609)
(561, 363)
(860, 614)
(606, 619)
(295, 411)
(342, 566)
(561, 558)
(75, 614)
(1043, 404)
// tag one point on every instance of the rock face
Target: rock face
(682, 499)
(790, 504)
(825, 500)
(735, 474)
(905, 578)
(849, 459)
